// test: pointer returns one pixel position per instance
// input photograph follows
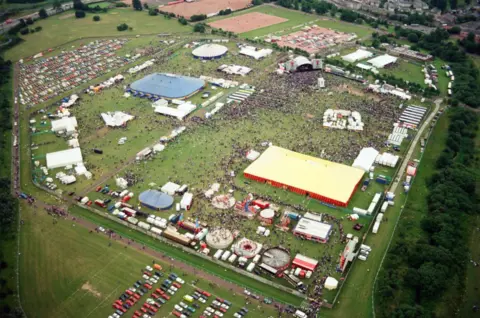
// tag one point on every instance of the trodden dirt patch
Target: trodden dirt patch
(91, 290)
(187, 9)
(247, 22)
(66, 16)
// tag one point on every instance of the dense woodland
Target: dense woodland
(417, 274)
(8, 205)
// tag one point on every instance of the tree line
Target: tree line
(417, 275)
(8, 204)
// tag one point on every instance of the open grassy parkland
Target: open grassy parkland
(203, 138)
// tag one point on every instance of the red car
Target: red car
(147, 286)
(143, 310)
(176, 313)
(206, 294)
(152, 308)
(158, 290)
(155, 296)
(137, 296)
(148, 273)
(119, 302)
(176, 284)
(98, 189)
(146, 306)
(129, 292)
(165, 296)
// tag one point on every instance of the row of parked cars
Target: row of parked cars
(188, 306)
(140, 288)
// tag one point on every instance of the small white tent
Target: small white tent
(331, 283)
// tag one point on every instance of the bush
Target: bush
(42, 13)
(455, 30)
(225, 12)
(38, 28)
(152, 12)
(122, 27)
(199, 27)
(96, 18)
(257, 2)
(182, 21)
(29, 21)
(80, 14)
(24, 31)
(198, 17)
(121, 5)
(413, 37)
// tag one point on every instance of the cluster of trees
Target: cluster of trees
(200, 27)
(465, 18)
(225, 12)
(470, 44)
(137, 5)
(152, 11)
(79, 14)
(25, 31)
(182, 21)
(122, 27)
(24, 28)
(415, 18)
(224, 33)
(355, 17)
(424, 269)
(319, 6)
(198, 17)
(466, 88)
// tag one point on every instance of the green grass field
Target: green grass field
(407, 70)
(65, 271)
(201, 150)
(65, 27)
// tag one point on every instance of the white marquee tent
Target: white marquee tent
(365, 159)
(254, 52)
(67, 124)
(382, 60)
(64, 158)
(357, 56)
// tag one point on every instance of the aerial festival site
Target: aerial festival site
(238, 159)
